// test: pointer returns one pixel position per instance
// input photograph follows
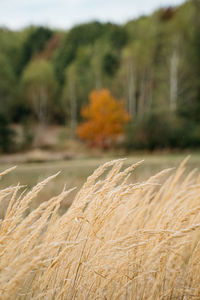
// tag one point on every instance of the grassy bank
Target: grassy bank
(74, 172)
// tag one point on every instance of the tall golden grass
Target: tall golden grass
(117, 240)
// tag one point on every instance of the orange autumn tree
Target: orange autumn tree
(105, 118)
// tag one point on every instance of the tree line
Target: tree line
(152, 62)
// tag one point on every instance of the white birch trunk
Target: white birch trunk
(73, 106)
(141, 99)
(174, 80)
(131, 91)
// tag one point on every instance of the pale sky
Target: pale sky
(17, 14)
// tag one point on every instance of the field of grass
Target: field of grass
(73, 173)
(118, 240)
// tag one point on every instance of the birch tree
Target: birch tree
(69, 98)
(40, 88)
(174, 79)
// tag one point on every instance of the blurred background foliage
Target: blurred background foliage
(152, 62)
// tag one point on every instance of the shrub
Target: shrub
(7, 135)
(161, 130)
(105, 119)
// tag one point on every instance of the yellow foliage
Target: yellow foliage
(105, 117)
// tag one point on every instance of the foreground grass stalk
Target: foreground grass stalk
(118, 240)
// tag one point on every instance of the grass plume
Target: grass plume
(118, 240)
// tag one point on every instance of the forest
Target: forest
(152, 63)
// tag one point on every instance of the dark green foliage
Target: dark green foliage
(116, 35)
(153, 131)
(110, 63)
(162, 130)
(10, 46)
(7, 135)
(27, 136)
(87, 34)
(34, 43)
(21, 112)
(8, 89)
(78, 36)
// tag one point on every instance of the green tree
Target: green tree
(69, 98)
(79, 81)
(78, 36)
(7, 94)
(34, 43)
(40, 87)
(10, 46)
(7, 85)
(194, 110)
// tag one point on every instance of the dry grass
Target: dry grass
(117, 240)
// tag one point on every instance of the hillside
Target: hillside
(152, 63)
